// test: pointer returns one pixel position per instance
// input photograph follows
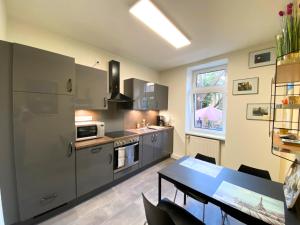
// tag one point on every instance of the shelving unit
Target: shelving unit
(286, 117)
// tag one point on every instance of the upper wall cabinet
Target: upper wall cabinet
(146, 95)
(91, 88)
(36, 70)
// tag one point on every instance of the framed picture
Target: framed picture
(291, 185)
(259, 111)
(247, 86)
(264, 57)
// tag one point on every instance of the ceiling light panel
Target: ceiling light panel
(150, 15)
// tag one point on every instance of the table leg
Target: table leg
(159, 187)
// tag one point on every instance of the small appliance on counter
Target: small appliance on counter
(89, 130)
(161, 121)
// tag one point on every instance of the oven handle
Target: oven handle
(125, 146)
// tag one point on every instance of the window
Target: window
(207, 100)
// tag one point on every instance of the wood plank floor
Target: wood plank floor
(122, 204)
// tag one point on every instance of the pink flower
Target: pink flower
(281, 13)
(289, 11)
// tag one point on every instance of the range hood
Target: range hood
(114, 83)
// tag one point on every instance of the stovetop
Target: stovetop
(119, 134)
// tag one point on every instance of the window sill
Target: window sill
(206, 135)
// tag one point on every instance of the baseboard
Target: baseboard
(176, 156)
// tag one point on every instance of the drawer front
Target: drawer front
(94, 168)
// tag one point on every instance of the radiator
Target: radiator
(205, 146)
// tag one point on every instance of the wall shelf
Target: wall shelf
(285, 116)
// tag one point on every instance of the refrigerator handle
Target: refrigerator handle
(70, 149)
(69, 86)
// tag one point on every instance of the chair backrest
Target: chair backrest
(205, 158)
(155, 215)
(255, 172)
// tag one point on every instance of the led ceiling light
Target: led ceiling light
(150, 15)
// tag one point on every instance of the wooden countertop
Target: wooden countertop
(94, 142)
(104, 140)
(149, 131)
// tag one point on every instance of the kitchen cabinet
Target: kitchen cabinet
(148, 149)
(146, 95)
(94, 168)
(156, 146)
(36, 70)
(135, 89)
(161, 96)
(91, 88)
(167, 137)
(43, 149)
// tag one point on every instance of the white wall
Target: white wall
(246, 141)
(83, 53)
(3, 20)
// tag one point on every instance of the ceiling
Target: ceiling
(213, 26)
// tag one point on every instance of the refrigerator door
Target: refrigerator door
(44, 154)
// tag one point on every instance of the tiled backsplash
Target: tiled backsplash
(119, 119)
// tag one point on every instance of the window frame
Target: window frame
(193, 89)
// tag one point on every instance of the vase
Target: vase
(290, 58)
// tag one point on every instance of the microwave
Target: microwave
(89, 130)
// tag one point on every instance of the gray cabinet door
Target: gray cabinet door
(161, 97)
(158, 145)
(135, 89)
(44, 157)
(36, 70)
(94, 168)
(91, 88)
(150, 96)
(148, 149)
(167, 142)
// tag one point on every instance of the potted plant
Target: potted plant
(288, 41)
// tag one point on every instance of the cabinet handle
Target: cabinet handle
(48, 198)
(110, 158)
(69, 85)
(105, 102)
(152, 138)
(70, 149)
(96, 150)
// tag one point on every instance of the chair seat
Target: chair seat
(178, 214)
(196, 197)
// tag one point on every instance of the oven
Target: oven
(126, 153)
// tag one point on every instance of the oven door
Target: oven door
(126, 156)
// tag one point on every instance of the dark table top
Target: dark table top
(205, 186)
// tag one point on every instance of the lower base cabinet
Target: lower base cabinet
(94, 168)
(157, 146)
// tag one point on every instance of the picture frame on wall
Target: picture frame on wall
(248, 86)
(259, 111)
(263, 57)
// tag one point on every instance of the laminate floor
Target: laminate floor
(122, 204)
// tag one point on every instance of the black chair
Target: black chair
(255, 172)
(187, 193)
(252, 171)
(168, 213)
